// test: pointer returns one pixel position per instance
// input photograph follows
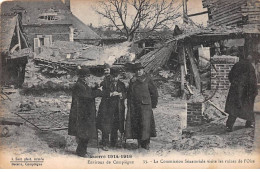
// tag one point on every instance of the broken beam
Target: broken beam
(194, 67)
(222, 112)
(197, 14)
(55, 129)
(10, 121)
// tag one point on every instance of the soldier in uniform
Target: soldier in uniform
(142, 96)
(82, 123)
(111, 114)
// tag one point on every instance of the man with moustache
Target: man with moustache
(82, 123)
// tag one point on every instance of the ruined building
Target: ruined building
(45, 21)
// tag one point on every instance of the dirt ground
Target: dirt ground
(51, 110)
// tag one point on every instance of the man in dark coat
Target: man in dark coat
(142, 96)
(111, 113)
(242, 93)
(82, 123)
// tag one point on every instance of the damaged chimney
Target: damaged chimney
(67, 3)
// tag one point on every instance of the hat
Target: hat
(138, 66)
(83, 72)
(114, 72)
(106, 65)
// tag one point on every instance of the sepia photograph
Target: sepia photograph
(130, 84)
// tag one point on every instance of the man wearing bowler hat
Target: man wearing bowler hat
(82, 123)
(111, 114)
(142, 96)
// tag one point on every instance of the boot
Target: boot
(229, 129)
(249, 124)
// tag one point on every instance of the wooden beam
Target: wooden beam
(55, 129)
(181, 55)
(23, 38)
(182, 79)
(185, 11)
(197, 14)
(222, 111)
(12, 50)
(194, 67)
(18, 34)
(10, 121)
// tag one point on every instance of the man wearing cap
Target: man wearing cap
(142, 96)
(82, 123)
(111, 114)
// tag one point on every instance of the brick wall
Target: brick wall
(223, 66)
(195, 114)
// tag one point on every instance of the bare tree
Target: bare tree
(130, 15)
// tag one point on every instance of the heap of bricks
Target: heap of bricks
(195, 113)
(223, 66)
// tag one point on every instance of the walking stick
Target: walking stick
(97, 141)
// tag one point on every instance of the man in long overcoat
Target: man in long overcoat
(242, 93)
(111, 113)
(142, 96)
(82, 123)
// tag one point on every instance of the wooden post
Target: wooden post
(184, 63)
(194, 67)
(18, 34)
(185, 14)
(182, 79)
(181, 61)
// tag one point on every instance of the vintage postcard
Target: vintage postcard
(130, 84)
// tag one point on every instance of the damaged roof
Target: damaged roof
(33, 11)
(213, 33)
(8, 24)
(50, 12)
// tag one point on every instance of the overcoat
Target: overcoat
(142, 96)
(111, 112)
(242, 91)
(82, 118)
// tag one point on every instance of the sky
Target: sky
(84, 10)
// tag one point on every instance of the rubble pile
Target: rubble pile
(218, 99)
(168, 82)
(197, 97)
(46, 111)
(35, 80)
(86, 55)
(199, 142)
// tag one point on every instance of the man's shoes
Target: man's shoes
(80, 154)
(146, 146)
(105, 148)
(249, 124)
(229, 129)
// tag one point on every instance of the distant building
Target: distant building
(45, 21)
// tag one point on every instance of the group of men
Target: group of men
(141, 95)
